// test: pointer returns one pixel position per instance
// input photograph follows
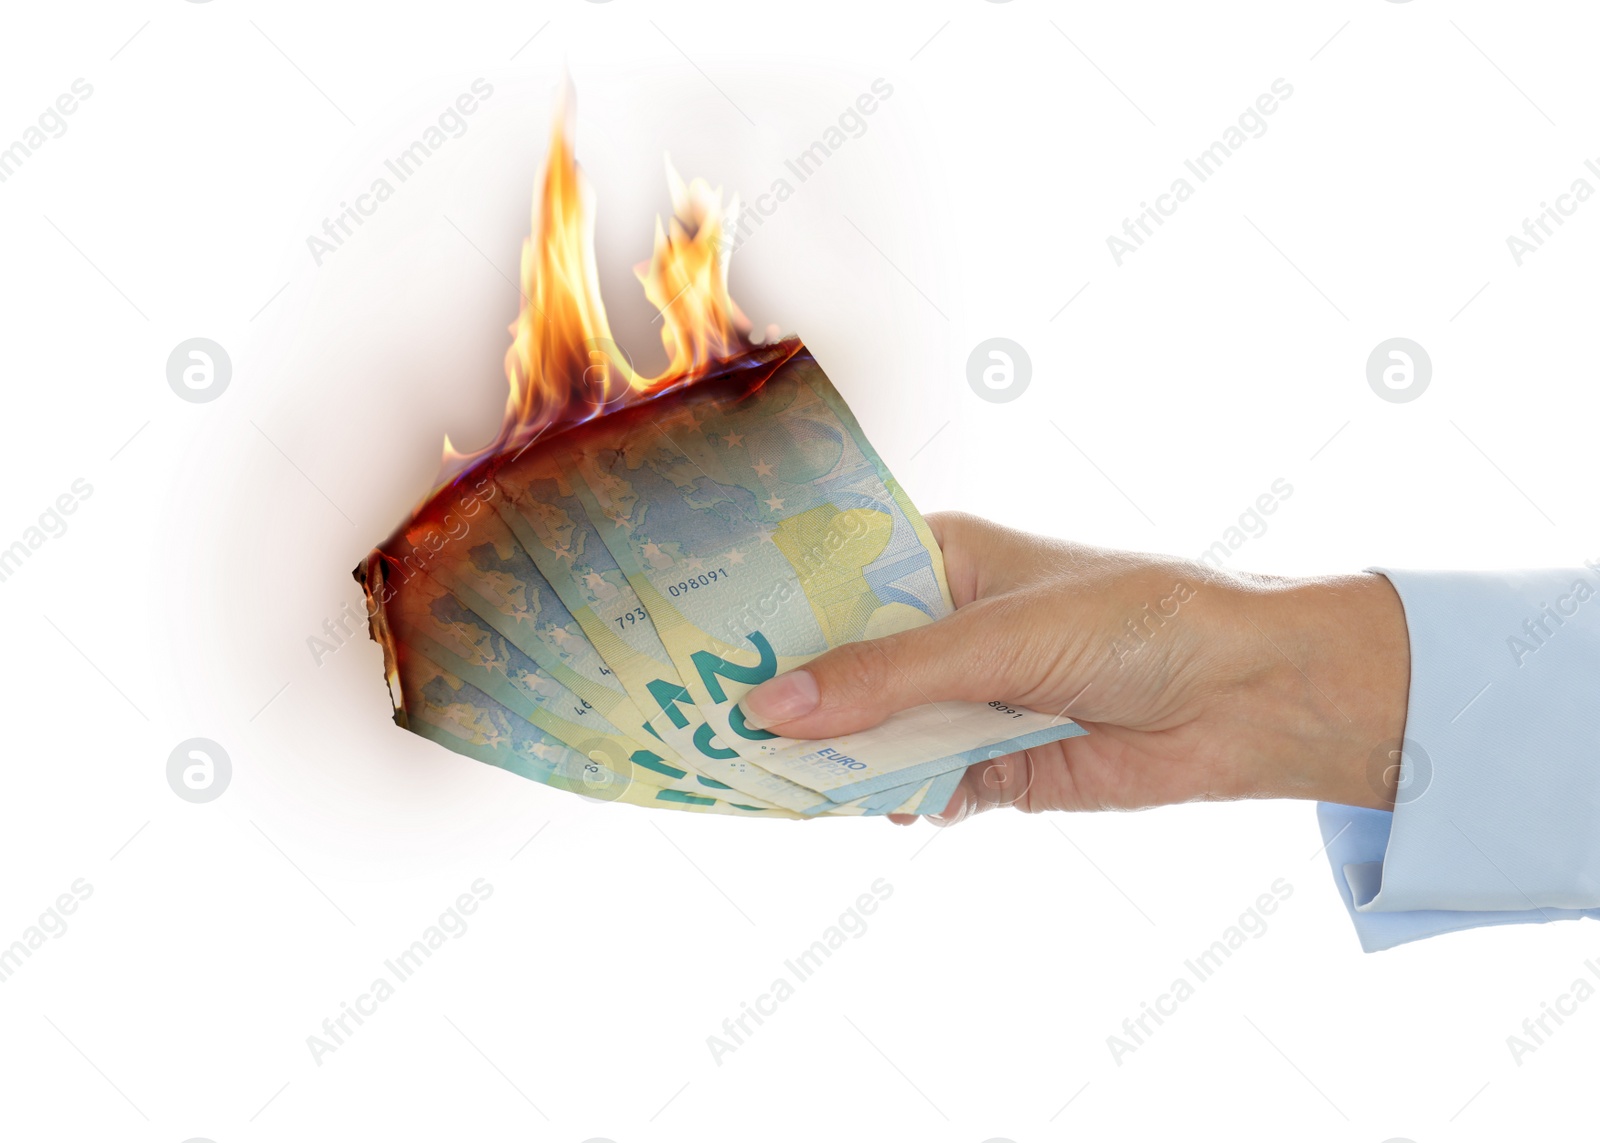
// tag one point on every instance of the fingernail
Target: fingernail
(780, 699)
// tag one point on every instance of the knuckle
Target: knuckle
(953, 527)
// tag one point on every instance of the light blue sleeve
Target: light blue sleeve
(1497, 819)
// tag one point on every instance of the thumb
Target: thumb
(858, 685)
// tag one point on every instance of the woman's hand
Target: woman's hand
(1194, 684)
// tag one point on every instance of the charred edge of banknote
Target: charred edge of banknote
(734, 382)
(372, 575)
(447, 515)
(730, 381)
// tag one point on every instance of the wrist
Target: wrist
(1333, 687)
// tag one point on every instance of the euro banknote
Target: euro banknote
(433, 621)
(450, 711)
(468, 597)
(481, 563)
(589, 610)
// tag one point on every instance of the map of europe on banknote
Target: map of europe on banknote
(587, 610)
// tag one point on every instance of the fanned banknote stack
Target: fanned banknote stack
(585, 601)
(588, 610)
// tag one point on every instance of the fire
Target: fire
(563, 366)
(686, 279)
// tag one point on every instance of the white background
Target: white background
(1228, 352)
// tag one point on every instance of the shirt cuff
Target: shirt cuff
(1497, 817)
(1356, 841)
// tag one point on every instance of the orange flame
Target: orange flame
(562, 365)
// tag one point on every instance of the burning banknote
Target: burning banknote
(585, 601)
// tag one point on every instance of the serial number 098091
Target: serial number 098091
(695, 583)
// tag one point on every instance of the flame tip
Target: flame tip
(551, 365)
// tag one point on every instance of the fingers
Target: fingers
(990, 785)
(860, 684)
(939, 523)
(996, 784)
(982, 558)
(961, 538)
